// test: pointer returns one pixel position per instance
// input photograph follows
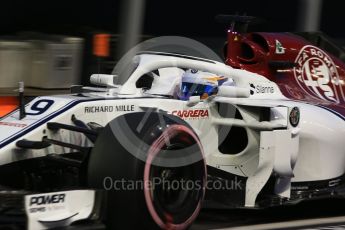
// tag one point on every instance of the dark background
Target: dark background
(188, 18)
(162, 17)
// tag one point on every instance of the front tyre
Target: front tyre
(167, 170)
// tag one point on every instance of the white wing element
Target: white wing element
(58, 209)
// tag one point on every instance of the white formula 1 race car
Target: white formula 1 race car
(145, 149)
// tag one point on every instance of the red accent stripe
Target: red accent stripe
(169, 132)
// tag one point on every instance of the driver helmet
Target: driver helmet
(199, 83)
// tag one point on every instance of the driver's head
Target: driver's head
(198, 83)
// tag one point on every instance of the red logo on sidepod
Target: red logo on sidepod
(197, 113)
(317, 74)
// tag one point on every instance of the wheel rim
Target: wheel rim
(175, 188)
(177, 207)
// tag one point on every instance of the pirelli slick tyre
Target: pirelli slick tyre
(153, 170)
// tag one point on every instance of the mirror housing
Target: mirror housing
(103, 80)
(233, 91)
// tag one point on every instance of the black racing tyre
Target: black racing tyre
(153, 170)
